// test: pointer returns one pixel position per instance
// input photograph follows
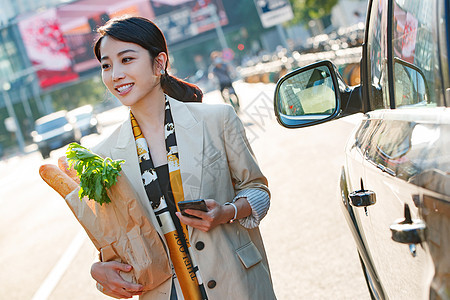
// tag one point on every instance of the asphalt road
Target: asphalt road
(46, 255)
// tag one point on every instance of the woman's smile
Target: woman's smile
(124, 89)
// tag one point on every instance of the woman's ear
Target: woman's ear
(160, 62)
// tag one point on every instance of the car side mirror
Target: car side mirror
(312, 95)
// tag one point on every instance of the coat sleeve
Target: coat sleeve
(244, 168)
(259, 201)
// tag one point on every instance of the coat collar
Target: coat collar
(181, 114)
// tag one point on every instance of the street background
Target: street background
(45, 254)
(47, 65)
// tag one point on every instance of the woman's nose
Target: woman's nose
(117, 74)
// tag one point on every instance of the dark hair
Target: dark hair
(146, 34)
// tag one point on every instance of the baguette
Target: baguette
(64, 166)
(57, 179)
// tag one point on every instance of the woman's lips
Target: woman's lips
(124, 89)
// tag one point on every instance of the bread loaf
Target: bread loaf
(57, 179)
(64, 166)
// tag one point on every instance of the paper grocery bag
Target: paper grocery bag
(121, 231)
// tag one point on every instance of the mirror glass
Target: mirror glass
(307, 96)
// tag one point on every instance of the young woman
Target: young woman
(178, 151)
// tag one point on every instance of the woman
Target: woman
(178, 151)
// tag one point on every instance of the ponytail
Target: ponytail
(180, 89)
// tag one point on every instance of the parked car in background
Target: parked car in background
(395, 182)
(85, 119)
(54, 131)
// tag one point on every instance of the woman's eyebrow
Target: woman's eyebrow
(126, 51)
(119, 54)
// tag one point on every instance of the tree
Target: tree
(307, 10)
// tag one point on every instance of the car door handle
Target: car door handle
(409, 231)
(363, 197)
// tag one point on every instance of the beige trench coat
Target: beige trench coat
(214, 153)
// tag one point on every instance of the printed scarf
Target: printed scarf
(175, 233)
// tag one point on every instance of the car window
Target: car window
(377, 56)
(417, 75)
(444, 45)
(50, 125)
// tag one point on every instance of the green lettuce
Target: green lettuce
(96, 174)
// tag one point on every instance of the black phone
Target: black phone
(198, 204)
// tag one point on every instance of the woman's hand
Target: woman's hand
(217, 214)
(109, 281)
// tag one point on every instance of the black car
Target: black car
(54, 131)
(395, 183)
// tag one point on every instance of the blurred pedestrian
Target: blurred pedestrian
(222, 72)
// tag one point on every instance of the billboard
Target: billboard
(181, 22)
(273, 12)
(47, 48)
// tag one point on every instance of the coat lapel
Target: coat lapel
(189, 135)
(126, 149)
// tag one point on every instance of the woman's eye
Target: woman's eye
(105, 66)
(127, 59)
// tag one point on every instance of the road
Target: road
(46, 255)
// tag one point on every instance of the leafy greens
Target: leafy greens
(96, 174)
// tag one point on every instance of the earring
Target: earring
(162, 72)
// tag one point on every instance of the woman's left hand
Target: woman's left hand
(217, 214)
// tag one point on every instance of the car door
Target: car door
(407, 138)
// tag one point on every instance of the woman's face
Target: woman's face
(128, 71)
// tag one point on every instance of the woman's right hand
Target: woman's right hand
(109, 281)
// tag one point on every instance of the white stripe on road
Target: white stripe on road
(60, 268)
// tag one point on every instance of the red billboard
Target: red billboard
(47, 48)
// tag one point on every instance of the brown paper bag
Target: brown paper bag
(121, 231)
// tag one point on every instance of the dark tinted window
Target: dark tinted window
(444, 46)
(377, 53)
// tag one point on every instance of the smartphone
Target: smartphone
(198, 204)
